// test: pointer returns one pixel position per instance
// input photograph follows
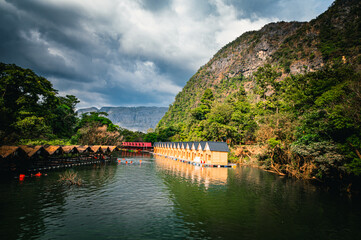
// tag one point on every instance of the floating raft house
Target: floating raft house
(208, 154)
(25, 159)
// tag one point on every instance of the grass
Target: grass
(70, 178)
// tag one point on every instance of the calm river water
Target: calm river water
(164, 199)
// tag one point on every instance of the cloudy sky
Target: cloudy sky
(131, 52)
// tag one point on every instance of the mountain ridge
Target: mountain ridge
(286, 97)
(295, 47)
(139, 118)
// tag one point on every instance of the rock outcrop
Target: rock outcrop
(293, 47)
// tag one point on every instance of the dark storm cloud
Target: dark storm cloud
(129, 52)
(34, 28)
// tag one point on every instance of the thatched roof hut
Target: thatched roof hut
(97, 149)
(34, 151)
(70, 149)
(84, 149)
(105, 149)
(54, 150)
(113, 148)
(11, 151)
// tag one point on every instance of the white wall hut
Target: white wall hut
(213, 153)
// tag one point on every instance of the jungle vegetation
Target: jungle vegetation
(32, 112)
(296, 114)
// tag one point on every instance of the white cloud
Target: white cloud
(144, 77)
(178, 35)
(98, 44)
(181, 35)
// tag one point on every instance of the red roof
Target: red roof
(137, 144)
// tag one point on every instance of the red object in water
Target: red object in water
(126, 162)
(38, 174)
(21, 177)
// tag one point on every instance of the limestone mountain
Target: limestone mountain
(294, 47)
(288, 95)
(131, 118)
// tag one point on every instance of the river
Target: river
(148, 198)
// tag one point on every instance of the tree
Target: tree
(151, 137)
(65, 120)
(207, 98)
(25, 97)
(30, 107)
(95, 128)
(265, 77)
(199, 113)
(97, 117)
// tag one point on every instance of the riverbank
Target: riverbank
(291, 165)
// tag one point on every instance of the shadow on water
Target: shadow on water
(252, 204)
(24, 207)
(27, 207)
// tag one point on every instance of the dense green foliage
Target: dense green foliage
(97, 117)
(327, 104)
(335, 41)
(31, 112)
(30, 107)
(95, 128)
(311, 118)
(300, 108)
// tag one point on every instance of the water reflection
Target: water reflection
(254, 204)
(127, 154)
(24, 208)
(28, 208)
(164, 199)
(196, 174)
(99, 175)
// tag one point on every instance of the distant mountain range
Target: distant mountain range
(131, 118)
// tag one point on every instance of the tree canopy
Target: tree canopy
(32, 111)
(30, 106)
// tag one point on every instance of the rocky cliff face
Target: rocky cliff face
(131, 118)
(293, 47)
(250, 51)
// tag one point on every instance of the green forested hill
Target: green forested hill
(32, 112)
(291, 89)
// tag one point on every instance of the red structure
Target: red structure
(137, 144)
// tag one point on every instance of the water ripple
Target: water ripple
(170, 200)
